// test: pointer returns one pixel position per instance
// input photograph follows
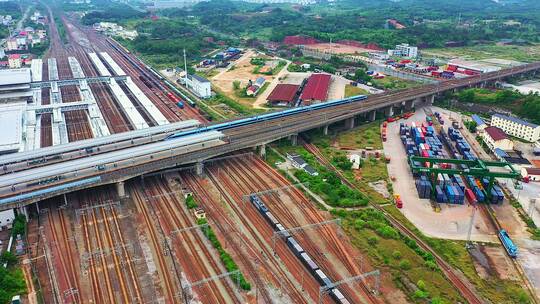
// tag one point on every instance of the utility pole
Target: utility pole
(185, 68)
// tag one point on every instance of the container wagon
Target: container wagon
(298, 251)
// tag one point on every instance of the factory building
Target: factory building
(316, 88)
(496, 139)
(199, 85)
(516, 127)
(283, 95)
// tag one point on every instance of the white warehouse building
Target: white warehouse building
(199, 85)
(516, 127)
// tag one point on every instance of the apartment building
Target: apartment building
(516, 127)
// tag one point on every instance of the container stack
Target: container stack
(497, 195)
(423, 186)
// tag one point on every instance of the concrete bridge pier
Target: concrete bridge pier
(325, 130)
(389, 111)
(409, 105)
(372, 115)
(120, 189)
(199, 168)
(22, 210)
(294, 139)
(262, 150)
(349, 123)
(430, 99)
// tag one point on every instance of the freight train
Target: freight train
(269, 116)
(510, 247)
(298, 251)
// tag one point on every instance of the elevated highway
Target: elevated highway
(28, 184)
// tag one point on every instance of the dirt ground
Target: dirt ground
(337, 48)
(242, 71)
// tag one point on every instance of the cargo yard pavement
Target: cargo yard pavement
(453, 220)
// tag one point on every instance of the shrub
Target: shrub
(396, 254)
(19, 225)
(190, 202)
(405, 264)
(421, 285)
(419, 294)
(372, 240)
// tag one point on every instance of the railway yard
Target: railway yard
(239, 229)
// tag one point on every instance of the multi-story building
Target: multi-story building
(516, 127)
(404, 50)
(199, 85)
(496, 139)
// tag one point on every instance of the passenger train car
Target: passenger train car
(269, 116)
(298, 251)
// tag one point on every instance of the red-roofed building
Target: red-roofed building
(316, 88)
(283, 94)
(496, 138)
(299, 40)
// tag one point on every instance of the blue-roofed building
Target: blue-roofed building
(516, 127)
(500, 154)
(480, 123)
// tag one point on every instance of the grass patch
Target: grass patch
(368, 135)
(413, 270)
(351, 90)
(327, 184)
(225, 257)
(393, 83)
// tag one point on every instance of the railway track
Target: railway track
(168, 282)
(204, 264)
(284, 270)
(490, 214)
(59, 246)
(464, 287)
(332, 241)
(201, 192)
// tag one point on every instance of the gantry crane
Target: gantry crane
(476, 168)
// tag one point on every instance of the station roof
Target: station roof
(316, 87)
(496, 133)
(516, 120)
(14, 76)
(11, 125)
(283, 92)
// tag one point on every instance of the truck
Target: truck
(399, 202)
